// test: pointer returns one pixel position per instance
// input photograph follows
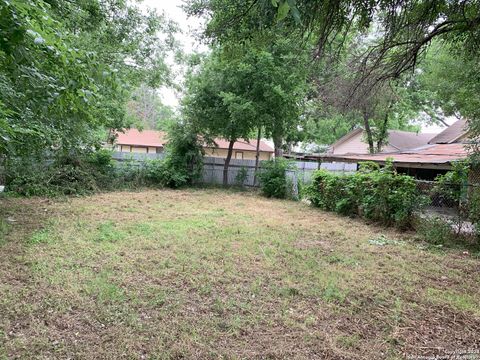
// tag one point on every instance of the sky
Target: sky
(186, 37)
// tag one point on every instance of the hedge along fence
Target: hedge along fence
(377, 194)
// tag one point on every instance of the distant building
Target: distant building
(425, 161)
(152, 141)
(354, 142)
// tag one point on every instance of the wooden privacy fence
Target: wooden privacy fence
(242, 171)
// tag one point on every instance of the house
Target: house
(152, 141)
(424, 162)
(241, 150)
(136, 141)
(355, 142)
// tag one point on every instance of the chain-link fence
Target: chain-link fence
(455, 203)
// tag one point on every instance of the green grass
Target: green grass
(4, 227)
(211, 274)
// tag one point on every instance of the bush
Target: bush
(183, 164)
(379, 195)
(474, 210)
(435, 231)
(273, 178)
(451, 186)
(241, 176)
(66, 175)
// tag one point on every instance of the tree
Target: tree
(231, 96)
(343, 104)
(66, 70)
(399, 34)
(146, 110)
(404, 28)
(216, 102)
(452, 81)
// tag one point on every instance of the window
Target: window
(239, 155)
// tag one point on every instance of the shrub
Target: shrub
(241, 176)
(451, 186)
(474, 210)
(183, 164)
(273, 178)
(435, 231)
(379, 195)
(63, 176)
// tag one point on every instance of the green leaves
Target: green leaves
(67, 68)
(379, 195)
(283, 11)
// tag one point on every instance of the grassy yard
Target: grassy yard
(210, 273)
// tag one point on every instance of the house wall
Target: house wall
(237, 154)
(356, 145)
(221, 153)
(137, 149)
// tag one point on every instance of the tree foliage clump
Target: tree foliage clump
(232, 96)
(380, 195)
(67, 68)
(274, 180)
(183, 164)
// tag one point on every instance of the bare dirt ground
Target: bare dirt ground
(162, 274)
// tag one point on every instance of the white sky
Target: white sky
(187, 27)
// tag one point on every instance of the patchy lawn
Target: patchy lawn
(211, 273)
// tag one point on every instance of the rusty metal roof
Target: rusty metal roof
(428, 154)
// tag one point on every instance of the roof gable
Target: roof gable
(400, 140)
(451, 134)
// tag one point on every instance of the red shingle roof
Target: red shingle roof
(159, 139)
(142, 138)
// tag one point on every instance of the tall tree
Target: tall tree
(232, 95)
(66, 70)
(146, 110)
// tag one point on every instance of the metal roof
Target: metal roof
(435, 154)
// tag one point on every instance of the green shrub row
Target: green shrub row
(87, 174)
(377, 194)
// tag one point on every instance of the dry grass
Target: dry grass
(210, 273)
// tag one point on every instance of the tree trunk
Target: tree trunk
(257, 156)
(383, 134)
(384, 130)
(227, 162)
(371, 145)
(277, 141)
